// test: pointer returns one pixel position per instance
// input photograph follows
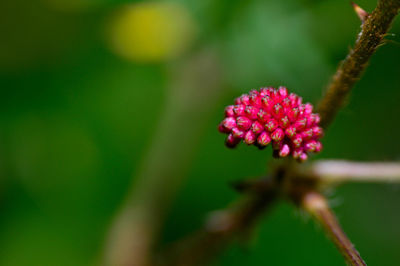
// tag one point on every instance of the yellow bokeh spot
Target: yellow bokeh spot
(151, 32)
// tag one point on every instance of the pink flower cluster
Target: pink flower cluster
(273, 116)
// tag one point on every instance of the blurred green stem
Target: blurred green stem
(194, 92)
(373, 31)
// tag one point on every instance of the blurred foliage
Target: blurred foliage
(76, 117)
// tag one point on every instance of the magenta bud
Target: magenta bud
(229, 123)
(249, 137)
(253, 92)
(257, 127)
(238, 101)
(255, 100)
(310, 146)
(223, 129)
(278, 134)
(271, 125)
(264, 92)
(317, 118)
(317, 132)
(293, 99)
(284, 123)
(239, 109)
(272, 115)
(307, 134)
(293, 114)
(251, 112)
(229, 111)
(268, 103)
(318, 146)
(303, 157)
(276, 97)
(290, 131)
(237, 133)
(300, 124)
(278, 110)
(263, 139)
(286, 104)
(245, 99)
(231, 141)
(285, 150)
(297, 140)
(243, 123)
(308, 108)
(263, 116)
(283, 92)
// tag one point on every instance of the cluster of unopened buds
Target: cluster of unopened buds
(273, 116)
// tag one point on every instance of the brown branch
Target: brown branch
(371, 36)
(337, 171)
(317, 206)
(221, 229)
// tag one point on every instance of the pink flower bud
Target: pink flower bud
(251, 112)
(318, 146)
(268, 103)
(303, 157)
(278, 110)
(300, 124)
(239, 109)
(310, 146)
(245, 99)
(229, 123)
(308, 109)
(276, 97)
(293, 114)
(286, 104)
(283, 92)
(271, 125)
(263, 116)
(307, 134)
(243, 122)
(273, 115)
(263, 139)
(255, 100)
(284, 123)
(249, 137)
(222, 129)
(285, 150)
(278, 134)
(237, 133)
(317, 132)
(297, 141)
(290, 131)
(264, 92)
(231, 141)
(257, 127)
(229, 111)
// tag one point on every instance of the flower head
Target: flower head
(273, 116)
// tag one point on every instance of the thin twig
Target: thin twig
(371, 36)
(221, 228)
(317, 206)
(337, 171)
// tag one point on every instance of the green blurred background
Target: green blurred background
(84, 85)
